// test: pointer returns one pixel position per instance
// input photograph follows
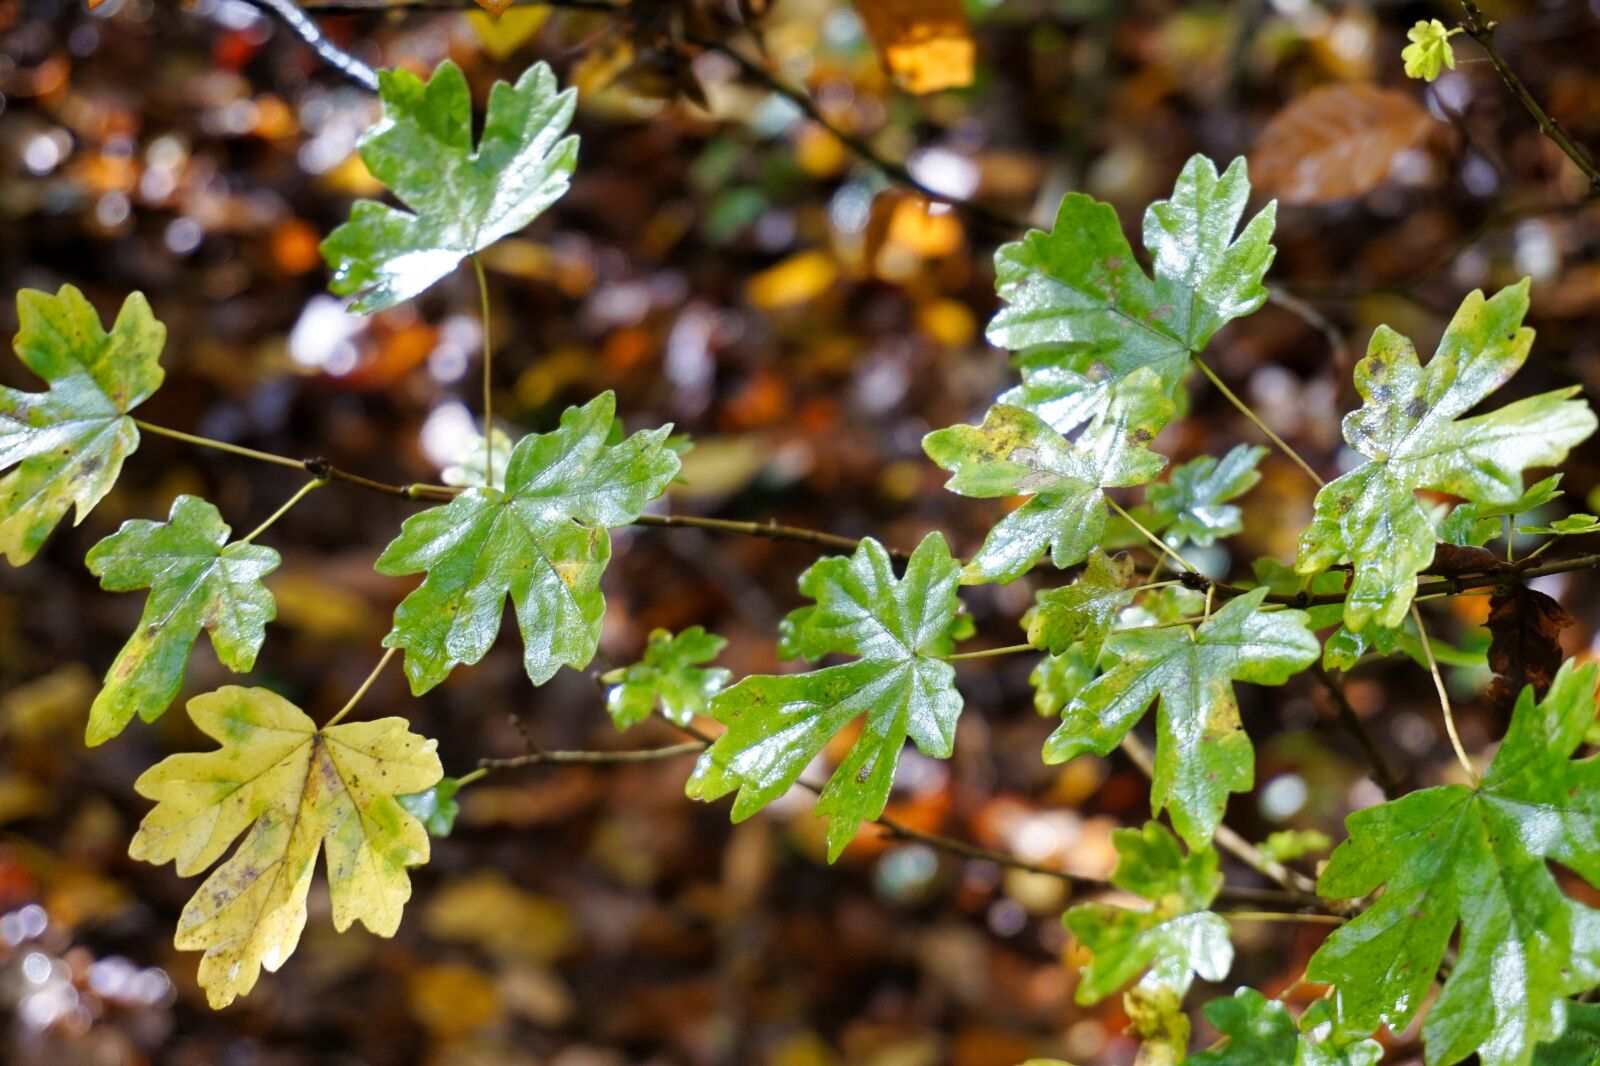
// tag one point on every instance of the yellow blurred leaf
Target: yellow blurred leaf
(491, 913)
(453, 1001)
(23, 797)
(504, 35)
(316, 606)
(926, 44)
(55, 701)
(799, 279)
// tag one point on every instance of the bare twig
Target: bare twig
(1352, 722)
(769, 530)
(305, 28)
(1482, 30)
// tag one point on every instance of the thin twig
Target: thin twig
(305, 28)
(1444, 698)
(1481, 30)
(1283, 916)
(592, 758)
(221, 446)
(1358, 729)
(1255, 419)
(769, 530)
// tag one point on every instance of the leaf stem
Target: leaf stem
(1444, 698)
(362, 691)
(1151, 537)
(304, 490)
(988, 653)
(1255, 419)
(1282, 916)
(488, 374)
(468, 778)
(221, 446)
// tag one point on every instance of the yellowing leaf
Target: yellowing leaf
(926, 44)
(504, 35)
(297, 789)
(799, 279)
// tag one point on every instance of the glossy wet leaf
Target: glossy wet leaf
(1193, 504)
(1478, 857)
(542, 541)
(1571, 525)
(669, 677)
(1080, 292)
(1429, 51)
(1475, 524)
(1262, 1032)
(197, 580)
(1579, 1044)
(1411, 433)
(1084, 611)
(436, 808)
(1202, 752)
(462, 197)
(1173, 940)
(1058, 679)
(897, 629)
(293, 790)
(1016, 453)
(68, 443)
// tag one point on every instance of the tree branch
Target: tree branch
(1352, 722)
(303, 27)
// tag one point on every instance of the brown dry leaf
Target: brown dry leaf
(926, 44)
(1336, 142)
(1526, 650)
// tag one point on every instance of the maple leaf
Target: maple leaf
(70, 441)
(197, 580)
(1084, 610)
(541, 540)
(1202, 752)
(669, 677)
(1170, 943)
(1193, 504)
(1079, 294)
(1015, 452)
(776, 724)
(1410, 431)
(1261, 1031)
(297, 790)
(1478, 856)
(1526, 627)
(462, 197)
(1429, 51)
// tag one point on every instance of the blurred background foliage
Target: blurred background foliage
(725, 263)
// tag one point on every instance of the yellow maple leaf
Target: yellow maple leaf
(297, 789)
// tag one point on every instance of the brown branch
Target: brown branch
(1352, 723)
(769, 530)
(1481, 30)
(591, 758)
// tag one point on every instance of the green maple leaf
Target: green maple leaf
(1080, 290)
(1084, 610)
(197, 580)
(1429, 50)
(1579, 1045)
(1192, 505)
(1058, 679)
(1478, 856)
(777, 724)
(1261, 1031)
(1202, 752)
(1572, 525)
(1411, 433)
(436, 808)
(1016, 453)
(1177, 938)
(541, 540)
(668, 677)
(462, 197)
(71, 440)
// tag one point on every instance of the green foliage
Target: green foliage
(1174, 940)
(1261, 1031)
(1429, 50)
(542, 541)
(1579, 1045)
(462, 197)
(297, 789)
(898, 629)
(197, 580)
(668, 677)
(71, 440)
(1192, 505)
(1084, 611)
(1478, 856)
(1572, 525)
(1059, 678)
(1202, 752)
(436, 808)
(1079, 294)
(1411, 433)
(1287, 845)
(1015, 453)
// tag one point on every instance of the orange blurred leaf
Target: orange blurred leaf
(926, 44)
(1336, 142)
